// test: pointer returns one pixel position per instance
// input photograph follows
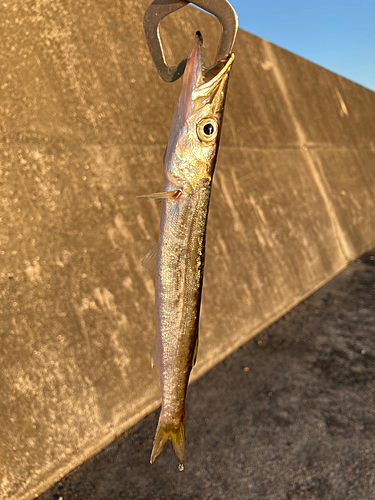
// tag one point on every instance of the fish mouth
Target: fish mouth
(200, 83)
(199, 78)
(214, 75)
(216, 72)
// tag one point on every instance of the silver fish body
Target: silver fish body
(188, 169)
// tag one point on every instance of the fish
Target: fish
(178, 257)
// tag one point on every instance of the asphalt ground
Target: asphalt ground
(289, 415)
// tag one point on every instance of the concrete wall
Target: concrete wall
(84, 121)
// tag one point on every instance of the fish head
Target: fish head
(195, 132)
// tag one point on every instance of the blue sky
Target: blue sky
(339, 35)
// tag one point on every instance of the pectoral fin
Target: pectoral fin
(162, 195)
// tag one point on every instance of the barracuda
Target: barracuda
(189, 164)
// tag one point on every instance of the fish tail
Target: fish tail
(175, 431)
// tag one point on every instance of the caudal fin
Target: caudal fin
(174, 432)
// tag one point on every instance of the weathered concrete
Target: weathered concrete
(84, 123)
(289, 416)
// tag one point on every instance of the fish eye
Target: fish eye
(207, 129)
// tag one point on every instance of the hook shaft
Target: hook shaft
(159, 9)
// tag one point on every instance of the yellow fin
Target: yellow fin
(160, 196)
(177, 437)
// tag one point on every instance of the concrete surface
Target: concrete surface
(288, 416)
(84, 122)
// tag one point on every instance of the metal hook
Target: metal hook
(159, 9)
